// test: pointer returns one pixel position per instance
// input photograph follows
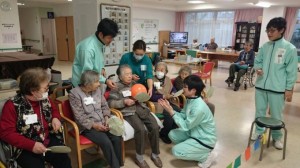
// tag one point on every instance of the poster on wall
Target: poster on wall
(145, 29)
(121, 43)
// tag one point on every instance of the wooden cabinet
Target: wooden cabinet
(65, 38)
(247, 32)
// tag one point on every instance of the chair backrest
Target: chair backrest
(208, 67)
(192, 53)
(67, 110)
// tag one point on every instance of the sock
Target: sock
(140, 158)
(153, 155)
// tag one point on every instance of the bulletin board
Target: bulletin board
(121, 43)
(145, 29)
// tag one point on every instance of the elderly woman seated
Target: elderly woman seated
(92, 113)
(137, 115)
(163, 88)
(30, 123)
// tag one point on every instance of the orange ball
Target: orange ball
(138, 88)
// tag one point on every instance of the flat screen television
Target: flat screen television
(178, 37)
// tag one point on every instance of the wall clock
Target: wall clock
(5, 6)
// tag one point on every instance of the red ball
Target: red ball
(138, 88)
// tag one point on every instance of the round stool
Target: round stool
(271, 124)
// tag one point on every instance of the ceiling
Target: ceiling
(182, 5)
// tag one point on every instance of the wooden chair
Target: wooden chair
(72, 130)
(206, 72)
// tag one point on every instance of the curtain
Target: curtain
(205, 25)
(245, 15)
(179, 21)
(291, 18)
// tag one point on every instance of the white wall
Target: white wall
(63, 9)
(10, 28)
(166, 19)
(30, 24)
(268, 14)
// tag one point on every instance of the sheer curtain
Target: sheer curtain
(204, 25)
(291, 18)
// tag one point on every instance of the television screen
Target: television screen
(178, 37)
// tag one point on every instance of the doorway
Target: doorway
(48, 36)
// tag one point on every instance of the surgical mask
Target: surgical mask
(159, 74)
(138, 57)
(44, 96)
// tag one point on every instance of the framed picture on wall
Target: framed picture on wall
(120, 44)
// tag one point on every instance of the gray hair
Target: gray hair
(250, 42)
(185, 68)
(89, 77)
(162, 64)
(120, 69)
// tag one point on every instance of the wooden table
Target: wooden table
(185, 63)
(214, 56)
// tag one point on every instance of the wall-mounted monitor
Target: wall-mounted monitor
(178, 37)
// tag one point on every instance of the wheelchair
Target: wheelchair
(248, 78)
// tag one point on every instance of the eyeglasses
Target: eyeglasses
(271, 30)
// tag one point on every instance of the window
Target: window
(296, 35)
(204, 25)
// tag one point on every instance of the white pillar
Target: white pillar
(268, 14)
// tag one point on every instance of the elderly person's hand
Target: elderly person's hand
(111, 84)
(106, 121)
(129, 102)
(39, 148)
(100, 127)
(166, 105)
(56, 124)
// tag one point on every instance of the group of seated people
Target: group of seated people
(30, 121)
(211, 46)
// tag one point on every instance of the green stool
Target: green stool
(271, 124)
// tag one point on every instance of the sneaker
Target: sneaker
(278, 144)
(236, 88)
(228, 81)
(210, 159)
(255, 136)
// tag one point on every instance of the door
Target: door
(71, 39)
(61, 38)
(48, 36)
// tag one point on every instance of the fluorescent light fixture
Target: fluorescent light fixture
(195, 2)
(263, 4)
(69, 0)
(20, 4)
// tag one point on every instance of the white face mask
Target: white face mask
(159, 74)
(138, 57)
(44, 96)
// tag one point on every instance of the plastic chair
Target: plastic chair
(206, 72)
(72, 130)
(271, 124)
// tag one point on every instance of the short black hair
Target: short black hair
(107, 27)
(139, 44)
(194, 82)
(278, 22)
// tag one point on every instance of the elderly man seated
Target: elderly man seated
(137, 115)
(245, 59)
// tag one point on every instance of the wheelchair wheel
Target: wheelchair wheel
(252, 77)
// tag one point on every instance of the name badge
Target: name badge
(126, 93)
(279, 57)
(143, 67)
(157, 85)
(89, 100)
(30, 119)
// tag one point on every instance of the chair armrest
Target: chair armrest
(54, 96)
(151, 106)
(71, 122)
